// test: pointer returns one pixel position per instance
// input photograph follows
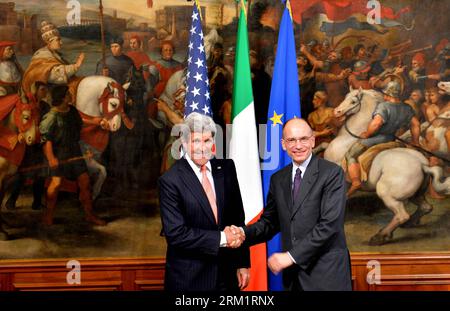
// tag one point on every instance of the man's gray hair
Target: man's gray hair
(199, 123)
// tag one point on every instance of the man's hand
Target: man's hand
(434, 76)
(279, 261)
(80, 60)
(53, 162)
(234, 236)
(243, 276)
(344, 73)
(364, 135)
(239, 231)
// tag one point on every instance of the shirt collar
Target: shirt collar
(302, 166)
(194, 166)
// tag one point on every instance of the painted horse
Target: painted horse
(18, 128)
(396, 175)
(100, 101)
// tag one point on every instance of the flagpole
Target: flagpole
(102, 34)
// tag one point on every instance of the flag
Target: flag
(197, 83)
(337, 28)
(284, 105)
(149, 3)
(340, 10)
(244, 150)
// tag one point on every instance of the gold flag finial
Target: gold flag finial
(288, 6)
(199, 9)
(244, 8)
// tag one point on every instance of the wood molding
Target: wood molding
(96, 274)
(405, 271)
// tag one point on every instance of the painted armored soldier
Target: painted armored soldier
(389, 116)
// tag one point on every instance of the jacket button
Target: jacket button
(293, 239)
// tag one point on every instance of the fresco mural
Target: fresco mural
(117, 68)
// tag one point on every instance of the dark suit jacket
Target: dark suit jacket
(194, 261)
(312, 229)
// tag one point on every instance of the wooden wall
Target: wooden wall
(96, 274)
(398, 272)
(405, 272)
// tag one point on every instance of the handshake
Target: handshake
(235, 236)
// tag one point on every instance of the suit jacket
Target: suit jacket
(312, 228)
(194, 260)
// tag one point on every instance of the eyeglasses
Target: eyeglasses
(292, 141)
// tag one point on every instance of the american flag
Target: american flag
(197, 83)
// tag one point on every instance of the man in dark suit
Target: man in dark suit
(199, 197)
(306, 202)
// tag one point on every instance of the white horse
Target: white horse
(396, 175)
(100, 101)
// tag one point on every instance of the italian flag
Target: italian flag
(244, 151)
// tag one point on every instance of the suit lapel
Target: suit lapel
(194, 185)
(307, 183)
(286, 183)
(219, 186)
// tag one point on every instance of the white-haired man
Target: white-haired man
(199, 197)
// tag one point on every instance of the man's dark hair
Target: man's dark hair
(58, 94)
(116, 40)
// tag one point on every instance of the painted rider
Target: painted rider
(166, 66)
(118, 65)
(48, 64)
(389, 116)
(10, 70)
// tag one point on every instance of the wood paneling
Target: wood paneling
(96, 274)
(423, 272)
(403, 272)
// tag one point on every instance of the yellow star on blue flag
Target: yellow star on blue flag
(276, 119)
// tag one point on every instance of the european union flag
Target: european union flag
(197, 83)
(284, 105)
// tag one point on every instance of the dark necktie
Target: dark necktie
(296, 187)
